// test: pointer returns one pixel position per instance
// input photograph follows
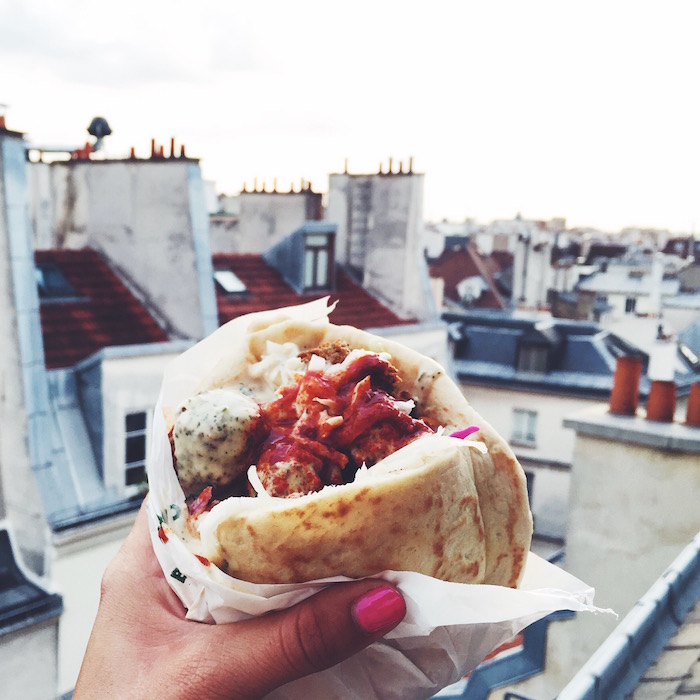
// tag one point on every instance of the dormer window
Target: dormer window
(230, 282)
(532, 358)
(318, 261)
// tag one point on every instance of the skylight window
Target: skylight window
(230, 282)
(52, 284)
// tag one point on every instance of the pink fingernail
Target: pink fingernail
(380, 609)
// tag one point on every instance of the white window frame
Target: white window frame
(318, 255)
(524, 431)
(131, 434)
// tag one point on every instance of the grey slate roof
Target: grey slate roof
(581, 355)
(72, 491)
(690, 336)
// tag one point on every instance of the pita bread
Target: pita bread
(416, 510)
(437, 506)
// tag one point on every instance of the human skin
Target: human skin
(142, 646)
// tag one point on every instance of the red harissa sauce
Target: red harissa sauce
(330, 423)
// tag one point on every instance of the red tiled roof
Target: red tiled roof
(457, 263)
(499, 260)
(105, 313)
(268, 290)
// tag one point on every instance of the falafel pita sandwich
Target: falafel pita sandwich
(289, 454)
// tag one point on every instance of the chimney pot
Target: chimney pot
(624, 396)
(661, 404)
(693, 411)
(153, 147)
(172, 146)
(182, 151)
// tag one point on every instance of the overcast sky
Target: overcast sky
(586, 110)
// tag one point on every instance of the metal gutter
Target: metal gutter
(616, 668)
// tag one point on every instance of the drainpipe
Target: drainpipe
(525, 239)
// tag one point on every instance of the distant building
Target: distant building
(633, 510)
(302, 267)
(635, 286)
(523, 375)
(146, 216)
(257, 219)
(469, 279)
(637, 294)
(85, 344)
(108, 275)
(684, 247)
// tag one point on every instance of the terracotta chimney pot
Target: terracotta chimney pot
(661, 404)
(693, 411)
(624, 396)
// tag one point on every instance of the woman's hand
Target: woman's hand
(142, 646)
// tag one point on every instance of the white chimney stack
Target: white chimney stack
(662, 358)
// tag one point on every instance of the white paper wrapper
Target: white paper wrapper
(449, 627)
